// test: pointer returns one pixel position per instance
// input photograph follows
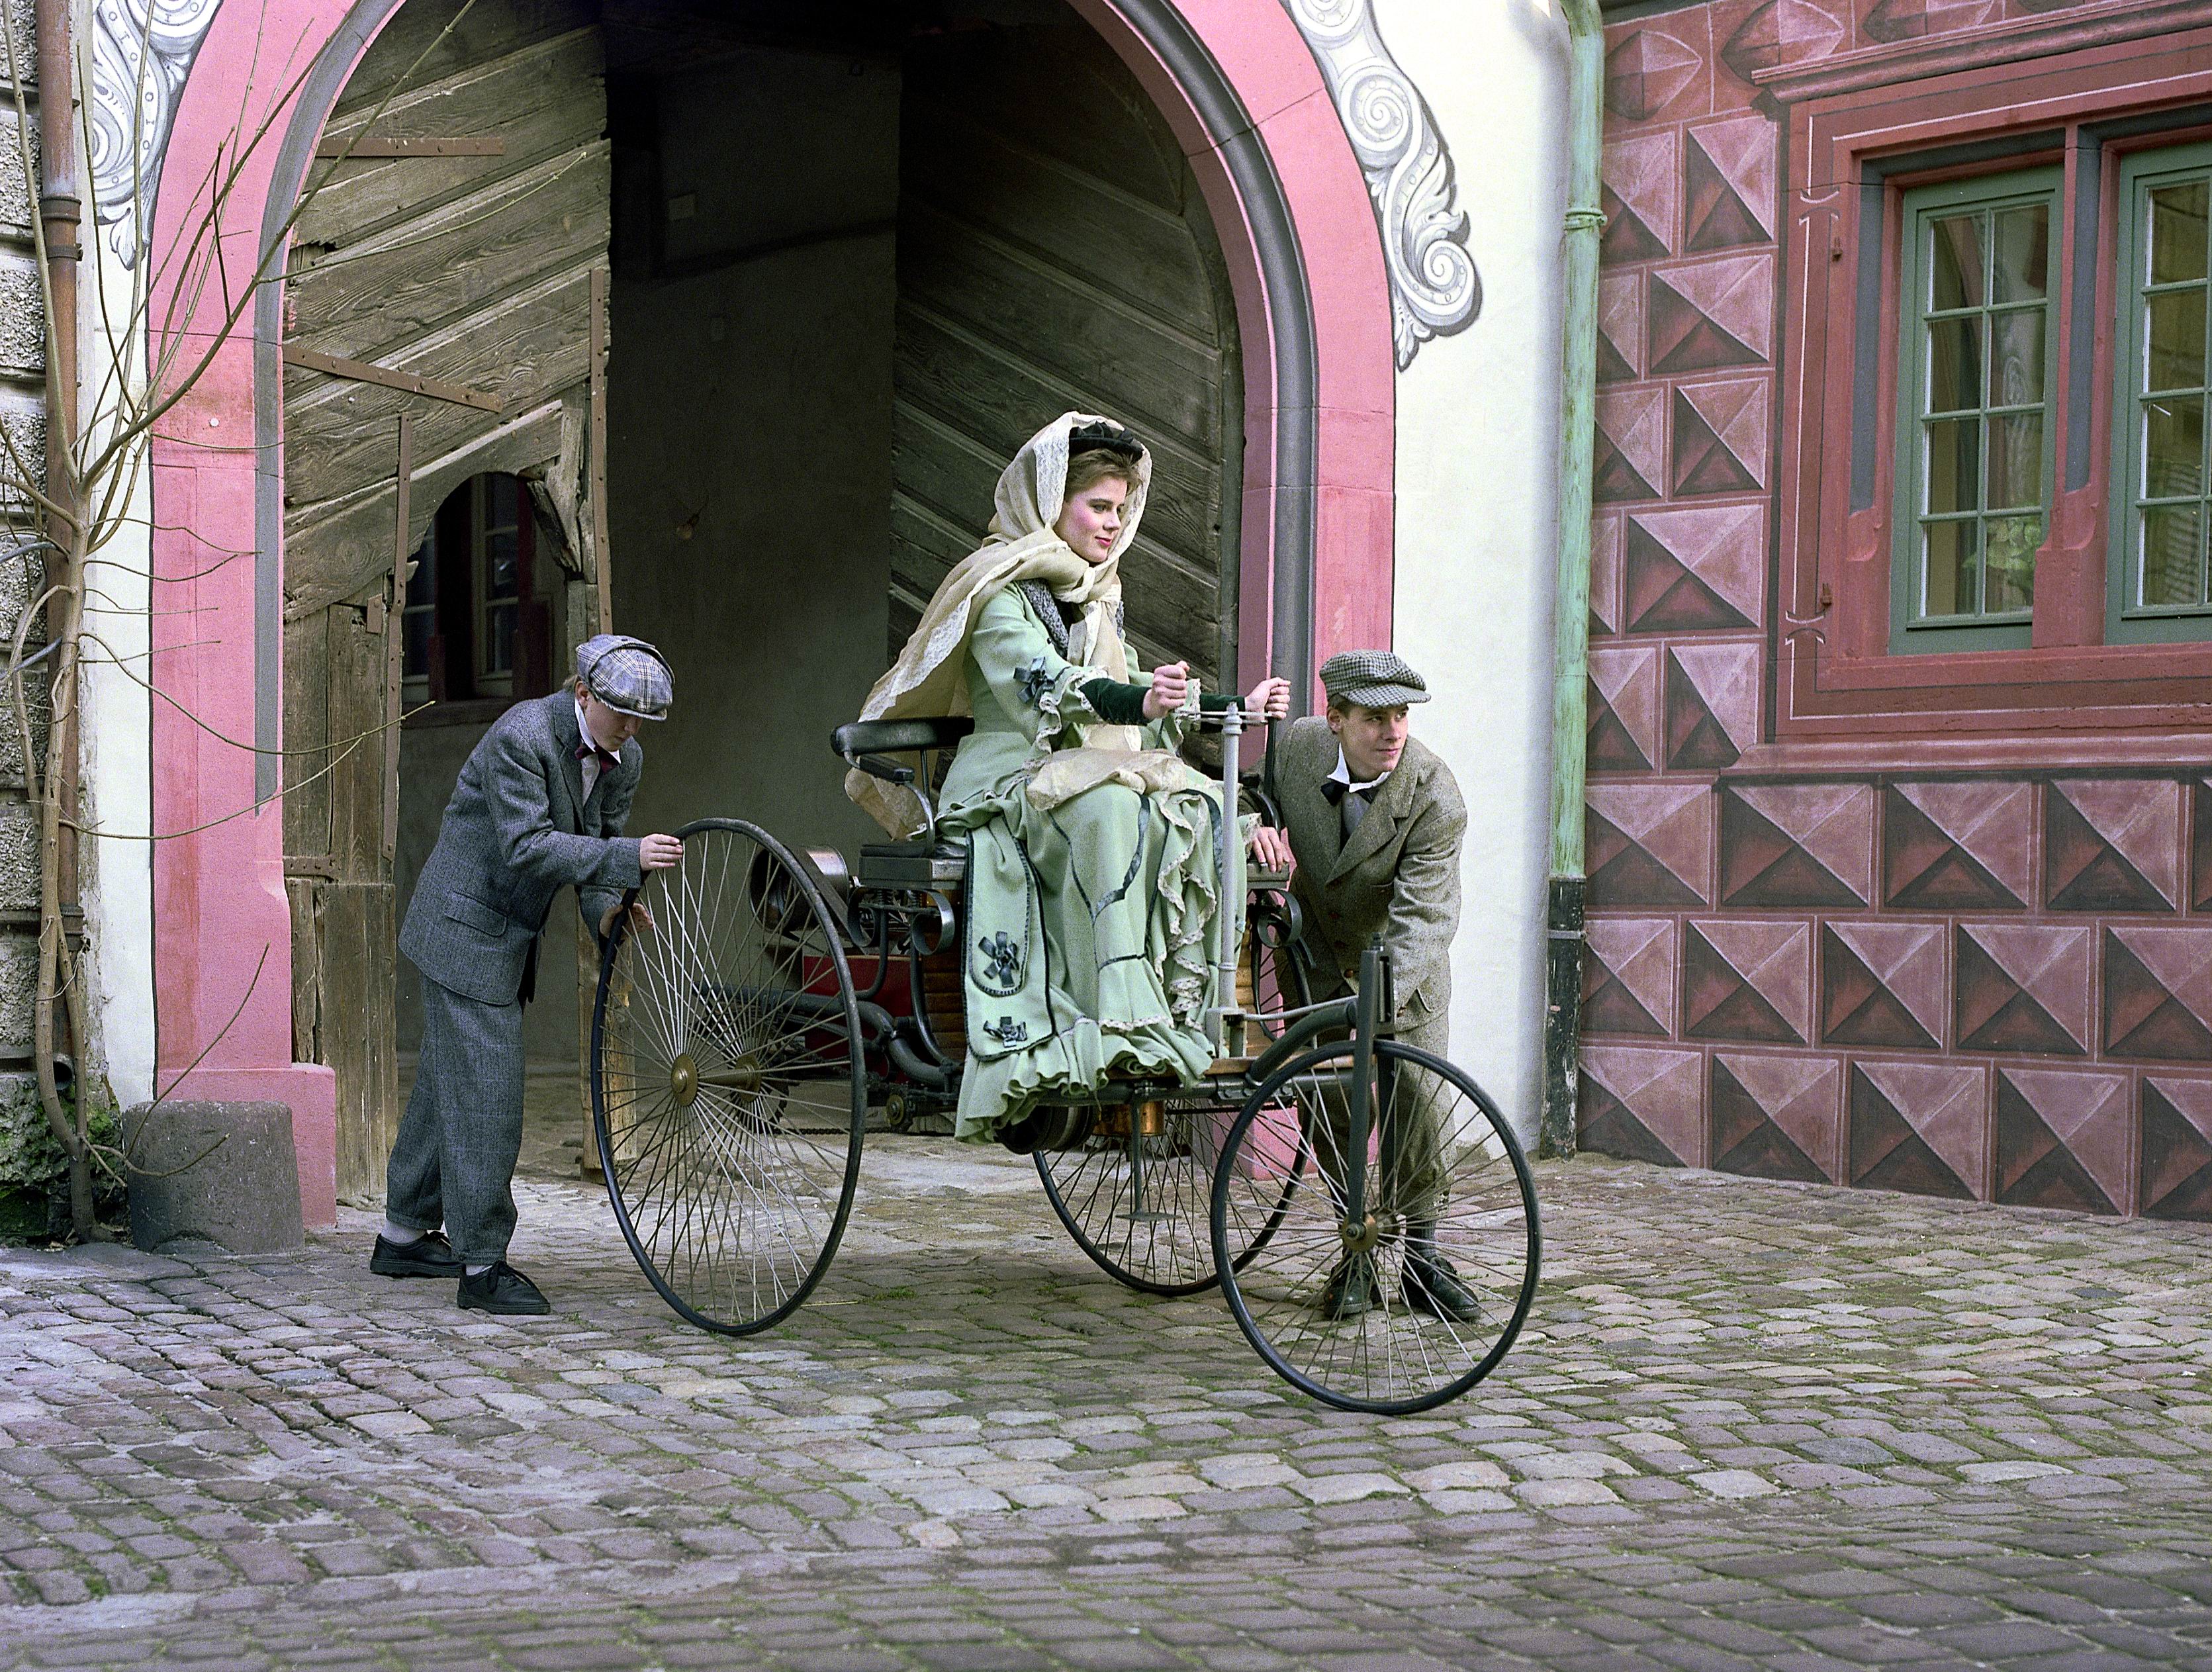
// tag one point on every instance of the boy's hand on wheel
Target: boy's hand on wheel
(659, 853)
(639, 919)
(1271, 849)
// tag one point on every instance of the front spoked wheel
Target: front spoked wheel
(1400, 1291)
(728, 1091)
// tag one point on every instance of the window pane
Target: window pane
(2174, 336)
(2020, 255)
(1955, 364)
(2011, 546)
(2016, 342)
(2176, 232)
(2172, 542)
(499, 639)
(415, 643)
(1952, 476)
(2173, 446)
(500, 565)
(2016, 463)
(1948, 562)
(422, 584)
(1954, 263)
(499, 511)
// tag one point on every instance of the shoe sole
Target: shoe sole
(505, 1311)
(413, 1269)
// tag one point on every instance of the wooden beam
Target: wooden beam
(395, 639)
(362, 147)
(360, 371)
(602, 572)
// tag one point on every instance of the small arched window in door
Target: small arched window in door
(474, 627)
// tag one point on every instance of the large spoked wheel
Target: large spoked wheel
(1415, 1300)
(1136, 1195)
(727, 1085)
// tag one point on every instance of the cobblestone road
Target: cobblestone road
(1749, 1424)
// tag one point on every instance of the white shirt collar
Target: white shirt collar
(1342, 775)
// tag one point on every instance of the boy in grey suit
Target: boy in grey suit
(539, 806)
(1373, 823)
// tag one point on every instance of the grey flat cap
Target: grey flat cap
(1372, 678)
(628, 675)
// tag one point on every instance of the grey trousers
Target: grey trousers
(453, 1164)
(1415, 1181)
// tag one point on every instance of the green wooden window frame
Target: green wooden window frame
(2159, 587)
(1976, 446)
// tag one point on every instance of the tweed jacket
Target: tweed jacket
(1398, 876)
(517, 831)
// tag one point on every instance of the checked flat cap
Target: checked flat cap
(1373, 680)
(628, 674)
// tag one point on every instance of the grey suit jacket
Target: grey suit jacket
(517, 831)
(1398, 876)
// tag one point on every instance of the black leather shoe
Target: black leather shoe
(1432, 1286)
(1351, 1291)
(504, 1291)
(428, 1255)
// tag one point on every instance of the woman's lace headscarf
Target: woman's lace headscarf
(930, 678)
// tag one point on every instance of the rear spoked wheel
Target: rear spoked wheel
(1414, 1301)
(728, 1092)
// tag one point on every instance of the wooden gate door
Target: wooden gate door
(446, 269)
(1054, 251)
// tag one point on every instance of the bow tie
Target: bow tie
(585, 751)
(1335, 789)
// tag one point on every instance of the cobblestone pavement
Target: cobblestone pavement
(1749, 1424)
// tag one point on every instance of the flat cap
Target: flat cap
(1373, 680)
(628, 675)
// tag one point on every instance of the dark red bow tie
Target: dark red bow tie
(607, 762)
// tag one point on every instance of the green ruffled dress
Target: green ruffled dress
(1089, 926)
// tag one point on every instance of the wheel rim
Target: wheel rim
(1470, 1202)
(727, 1085)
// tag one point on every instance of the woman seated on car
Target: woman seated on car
(1091, 885)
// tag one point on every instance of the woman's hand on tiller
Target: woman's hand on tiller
(1269, 699)
(1171, 690)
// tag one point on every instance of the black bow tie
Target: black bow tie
(1335, 789)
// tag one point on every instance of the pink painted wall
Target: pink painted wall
(222, 940)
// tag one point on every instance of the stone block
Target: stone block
(19, 986)
(23, 317)
(221, 1172)
(34, 689)
(19, 856)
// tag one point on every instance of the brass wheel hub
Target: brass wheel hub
(683, 1079)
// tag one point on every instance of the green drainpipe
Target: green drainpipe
(1563, 973)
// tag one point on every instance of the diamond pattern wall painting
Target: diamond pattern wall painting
(1769, 34)
(1628, 978)
(2022, 987)
(1797, 844)
(2158, 993)
(1624, 708)
(1776, 1116)
(1630, 459)
(1730, 183)
(2174, 1148)
(1638, 186)
(1644, 1104)
(1650, 73)
(1918, 1126)
(1746, 979)
(1958, 846)
(1914, 19)
(1707, 316)
(2062, 1139)
(1698, 569)
(1620, 327)
(1712, 696)
(1648, 845)
(1883, 985)
(2113, 845)
(1720, 437)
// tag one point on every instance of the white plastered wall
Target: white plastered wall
(118, 731)
(1477, 479)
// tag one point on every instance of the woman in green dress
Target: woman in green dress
(1092, 885)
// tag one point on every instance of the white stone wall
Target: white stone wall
(1478, 422)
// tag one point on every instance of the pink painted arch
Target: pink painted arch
(1242, 90)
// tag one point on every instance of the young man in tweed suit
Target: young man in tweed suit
(1373, 823)
(539, 806)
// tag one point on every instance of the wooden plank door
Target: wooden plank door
(449, 278)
